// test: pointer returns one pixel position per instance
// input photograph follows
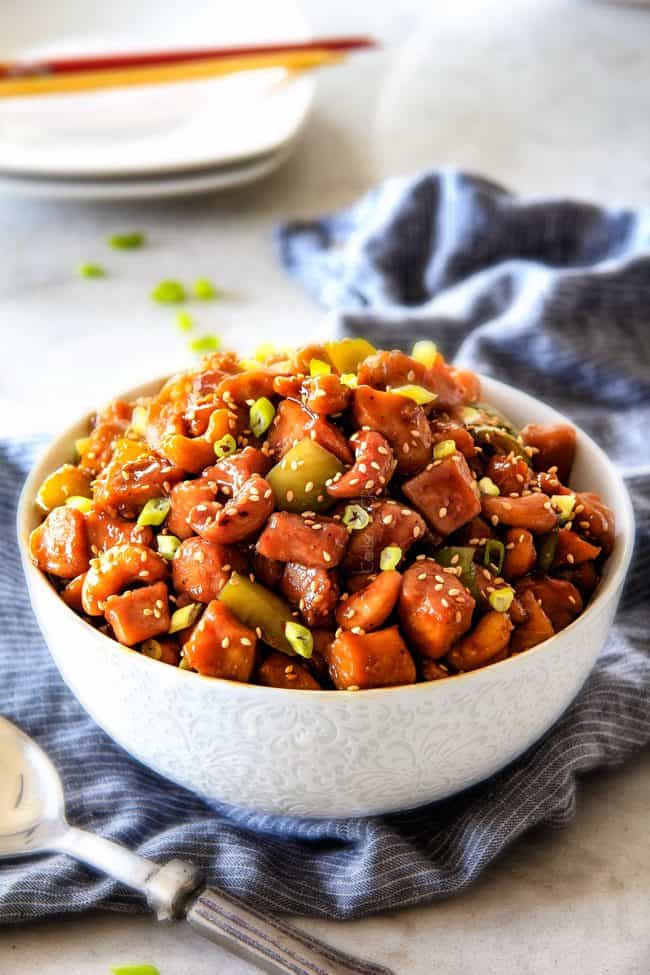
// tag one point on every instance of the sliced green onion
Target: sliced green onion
(204, 343)
(264, 351)
(487, 486)
(390, 558)
(187, 616)
(470, 414)
(92, 271)
(204, 289)
(126, 242)
(299, 638)
(319, 368)
(460, 557)
(261, 415)
(169, 293)
(356, 517)
(501, 599)
(444, 449)
(140, 419)
(184, 321)
(135, 970)
(151, 648)
(494, 554)
(225, 445)
(81, 445)
(418, 394)
(546, 549)
(168, 545)
(425, 352)
(349, 379)
(84, 505)
(565, 503)
(154, 512)
(184, 664)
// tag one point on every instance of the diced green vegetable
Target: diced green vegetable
(225, 445)
(151, 648)
(300, 638)
(390, 558)
(349, 379)
(564, 503)
(204, 289)
(204, 343)
(425, 352)
(169, 293)
(460, 556)
(184, 664)
(356, 517)
(418, 394)
(168, 545)
(184, 321)
(261, 415)
(298, 480)
(346, 354)
(499, 440)
(184, 617)
(484, 414)
(135, 970)
(81, 504)
(487, 486)
(501, 599)
(127, 242)
(154, 512)
(319, 368)
(444, 449)
(494, 555)
(92, 271)
(546, 550)
(260, 609)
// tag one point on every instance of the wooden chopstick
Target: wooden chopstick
(164, 73)
(113, 62)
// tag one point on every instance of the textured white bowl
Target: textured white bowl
(325, 753)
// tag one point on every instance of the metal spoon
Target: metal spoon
(32, 821)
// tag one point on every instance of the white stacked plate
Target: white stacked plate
(158, 140)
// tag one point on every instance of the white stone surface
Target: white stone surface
(546, 96)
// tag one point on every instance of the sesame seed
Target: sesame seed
(405, 448)
(421, 576)
(570, 558)
(147, 612)
(309, 486)
(387, 519)
(225, 643)
(442, 513)
(326, 556)
(289, 496)
(494, 519)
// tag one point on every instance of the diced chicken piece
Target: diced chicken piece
(446, 493)
(433, 669)
(138, 614)
(201, 568)
(127, 487)
(221, 646)
(573, 550)
(534, 512)
(558, 598)
(511, 474)
(487, 643)
(293, 423)
(593, 519)
(60, 544)
(379, 659)
(391, 524)
(451, 430)
(435, 608)
(71, 595)
(313, 591)
(521, 555)
(267, 571)
(373, 467)
(391, 369)
(232, 472)
(185, 496)
(240, 518)
(318, 542)
(370, 607)
(325, 395)
(106, 530)
(278, 670)
(555, 446)
(536, 627)
(400, 420)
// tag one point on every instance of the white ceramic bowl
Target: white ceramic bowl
(325, 753)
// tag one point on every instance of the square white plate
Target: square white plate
(154, 129)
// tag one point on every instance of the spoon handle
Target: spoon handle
(267, 942)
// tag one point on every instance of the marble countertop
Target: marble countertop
(545, 96)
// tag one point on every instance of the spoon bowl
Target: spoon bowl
(32, 811)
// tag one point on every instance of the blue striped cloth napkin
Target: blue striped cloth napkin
(552, 296)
